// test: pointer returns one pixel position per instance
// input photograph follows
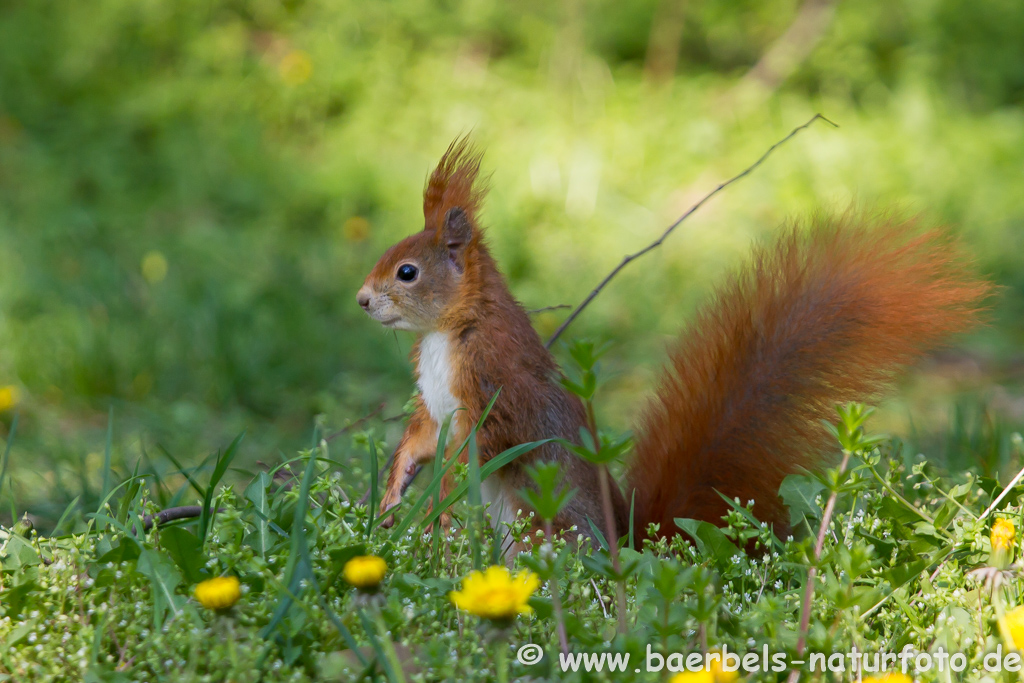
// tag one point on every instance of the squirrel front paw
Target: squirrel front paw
(388, 502)
(445, 519)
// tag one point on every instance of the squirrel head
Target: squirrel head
(417, 281)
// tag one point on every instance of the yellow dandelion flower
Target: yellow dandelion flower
(365, 571)
(892, 677)
(1003, 535)
(720, 675)
(712, 673)
(219, 593)
(9, 397)
(1012, 625)
(154, 267)
(295, 68)
(496, 594)
(702, 676)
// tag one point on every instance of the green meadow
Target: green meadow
(191, 194)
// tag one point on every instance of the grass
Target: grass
(191, 198)
(111, 600)
(194, 264)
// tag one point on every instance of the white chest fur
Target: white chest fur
(435, 376)
(435, 383)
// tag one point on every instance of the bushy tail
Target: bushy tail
(822, 317)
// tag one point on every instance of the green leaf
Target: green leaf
(883, 547)
(256, 493)
(573, 387)
(131, 498)
(299, 566)
(19, 554)
(474, 482)
(18, 633)
(207, 514)
(587, 439)
(898, 512)
(15, 598)
(612, 449)
(72, 506)
(442, 444)
(961, 491)
(105, 674)
(602, 565)
(107, 452)
(800, 492)
(710, 540)
(904, 572)
(164, 579)
(549, 495)
(122, 552)
(409, 584)
(755, 523)
(184, 548)
(945, 514)
(489, 468)
(371, 511)
(594, 529)
(187, 473)
(542, 606)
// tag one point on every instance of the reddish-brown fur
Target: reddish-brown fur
(823, 316)
(493, 345)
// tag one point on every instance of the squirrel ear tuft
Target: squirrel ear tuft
(456, 232)
(453, 185)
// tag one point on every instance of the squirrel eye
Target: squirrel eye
(407, 272)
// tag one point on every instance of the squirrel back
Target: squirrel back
(821, 317)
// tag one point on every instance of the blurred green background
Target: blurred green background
(191, 193)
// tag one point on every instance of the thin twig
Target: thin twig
(363, 419)
(600, 598)
(812, 572)
(906, 503)
(764, 582)
(657, 243)
(609, 524)
(1009, 487)
(556, 598)
(366, 418)
(172, 514)
(534, 311)
(613, 546)
(190, 511)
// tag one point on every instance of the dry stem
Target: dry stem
(812, 573)
(657, 243)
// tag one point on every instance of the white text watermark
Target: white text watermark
(906, 661)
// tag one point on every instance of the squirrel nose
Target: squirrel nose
(363, 297)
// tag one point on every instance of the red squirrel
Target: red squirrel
(825, 315)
